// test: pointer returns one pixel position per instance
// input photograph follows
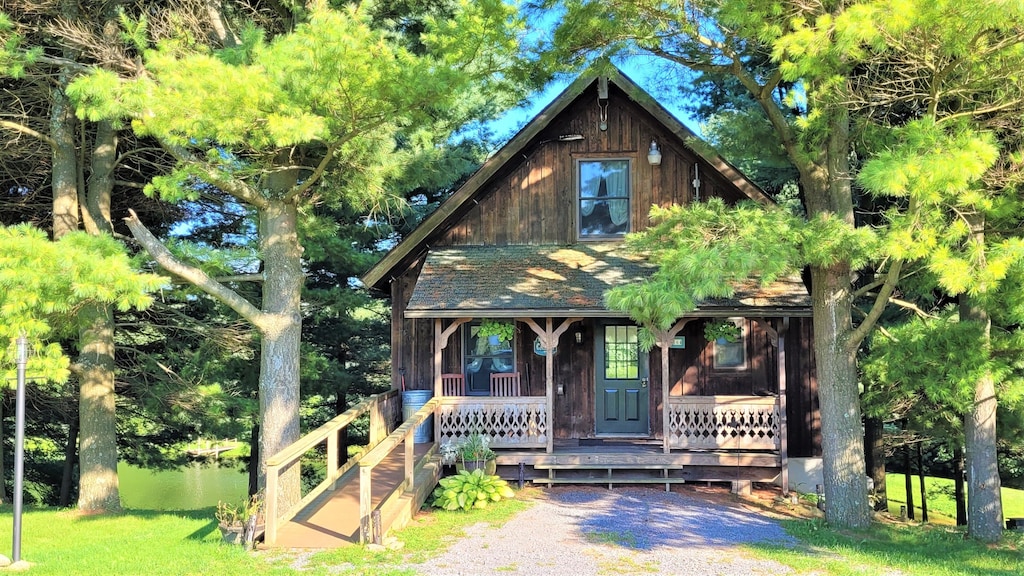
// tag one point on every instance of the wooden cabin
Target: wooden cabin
(534, 238)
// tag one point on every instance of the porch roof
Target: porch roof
(510, 281)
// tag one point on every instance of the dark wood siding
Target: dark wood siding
(802, 411)
(534, 201)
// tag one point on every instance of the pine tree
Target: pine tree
(284, 123)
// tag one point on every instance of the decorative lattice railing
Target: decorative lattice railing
(723, 422)
(511, 422)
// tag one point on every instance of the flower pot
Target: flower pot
(489, 466)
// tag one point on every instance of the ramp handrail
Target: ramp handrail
(381, 407)
(403, 434)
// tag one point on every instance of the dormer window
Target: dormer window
(604, 189)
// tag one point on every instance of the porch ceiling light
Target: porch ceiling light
(654, 154)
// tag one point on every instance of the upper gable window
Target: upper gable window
(604, 198)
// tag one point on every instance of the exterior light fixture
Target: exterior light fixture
(654, 154)
(579, 337)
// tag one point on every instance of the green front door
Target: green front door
(622, 392)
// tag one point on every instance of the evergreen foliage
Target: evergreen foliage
(43, 284)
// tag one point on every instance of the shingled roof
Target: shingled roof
(508, 281)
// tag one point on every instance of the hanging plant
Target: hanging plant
(504, 331)
(722, 329)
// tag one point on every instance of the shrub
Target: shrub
(467, 490)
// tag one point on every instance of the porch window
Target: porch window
(604, 198)
(621, 353)
(483, 357)
(731, 355)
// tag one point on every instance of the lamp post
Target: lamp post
(19, 445)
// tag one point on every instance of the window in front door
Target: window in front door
(621, 353)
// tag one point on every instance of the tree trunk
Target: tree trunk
(842, 436)
(874, 457)
(64, 182)
(958, 486)
(984, 494)
(279, 351)
(70, 458)
(340, 406)
(3, 469)
(97, 452)
(98, 425)
(101, 181)
(254, 458)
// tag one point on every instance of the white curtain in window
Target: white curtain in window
(617, 186)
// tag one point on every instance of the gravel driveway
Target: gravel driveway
(583, 531)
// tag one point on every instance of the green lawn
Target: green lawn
(186, 543)
(189, 543)
(941, 505)
(887, 550)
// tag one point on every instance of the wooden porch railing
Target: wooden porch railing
(385, 412)
(511, 421)
(403, 434)
(724, 422)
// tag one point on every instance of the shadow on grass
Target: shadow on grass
(913, 549)
(206, 514)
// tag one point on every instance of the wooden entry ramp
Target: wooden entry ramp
(332, 520)
(371, 493)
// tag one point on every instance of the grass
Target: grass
(887, 549)
(937, 548)
(941, 503)
(138, 542)
(187, 543)
(60, 542)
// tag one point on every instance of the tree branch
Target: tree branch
(213, 176)
(317, 173)
(881, 300)
(26, 130)
(194, 275)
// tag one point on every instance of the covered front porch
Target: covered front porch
(681, 437)
(573, 386)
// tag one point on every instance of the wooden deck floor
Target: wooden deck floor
(332, 520)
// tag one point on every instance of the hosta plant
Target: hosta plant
(467, 490)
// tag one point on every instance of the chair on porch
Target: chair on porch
(453, 385)
(505, 384)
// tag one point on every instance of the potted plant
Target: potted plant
(496, 331)
(722, 330)
(472, 452)
(241, 522)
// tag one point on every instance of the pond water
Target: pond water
(189, 488)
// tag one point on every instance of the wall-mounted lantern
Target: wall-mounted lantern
(654, 154)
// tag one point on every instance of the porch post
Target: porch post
(439, 346)
(441, 337)
(549, 383)
(549, 339)
(664, 340)
(783, 426)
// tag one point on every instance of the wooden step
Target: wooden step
(611, 482)
(596, 466)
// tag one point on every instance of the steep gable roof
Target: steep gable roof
(412, 245)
